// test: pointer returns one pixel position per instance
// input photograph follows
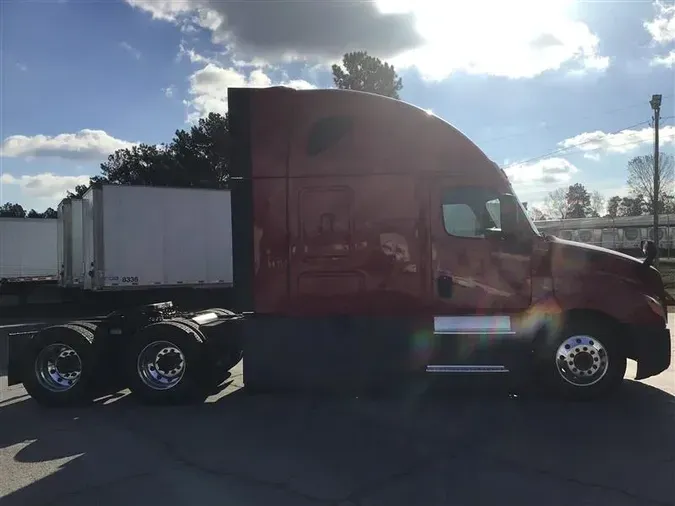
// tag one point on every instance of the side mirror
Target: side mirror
(509, 210)
(649, 250)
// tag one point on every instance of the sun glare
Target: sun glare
(520, 38)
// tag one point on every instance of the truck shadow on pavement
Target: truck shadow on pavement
(413, 449)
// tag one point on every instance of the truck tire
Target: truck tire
(108, 379)
(164, 364)
(585, 360)
(58, 366)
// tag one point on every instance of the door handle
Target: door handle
(444, 286)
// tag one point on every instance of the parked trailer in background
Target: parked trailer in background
(142, 237)
(623, 234)
(171, 247)
(27, 254)
(70, 243)
(119, 246)
(372, 244)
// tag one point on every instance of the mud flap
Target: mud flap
(653, 351)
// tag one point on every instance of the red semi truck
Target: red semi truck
(373, 244)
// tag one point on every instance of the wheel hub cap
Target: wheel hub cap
(58, 367)
(582, 360)
(161, 365)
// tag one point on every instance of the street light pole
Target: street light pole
(656, 107)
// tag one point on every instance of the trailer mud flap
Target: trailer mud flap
(13, 341)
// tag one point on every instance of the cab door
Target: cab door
(481, 280)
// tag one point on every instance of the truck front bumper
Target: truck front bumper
(653, 351)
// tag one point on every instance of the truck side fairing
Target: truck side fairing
(337, 201)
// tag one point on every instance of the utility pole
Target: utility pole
(656, 107)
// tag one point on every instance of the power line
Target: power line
(567, 148)
(629, 143)
(547, 126)
(639, 141)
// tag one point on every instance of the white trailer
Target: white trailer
(28, 250)
(142, 237)
(70, 244)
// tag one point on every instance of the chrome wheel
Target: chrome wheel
(161, 365)
(58, 367)
(582, 360)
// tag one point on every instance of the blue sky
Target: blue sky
(544, 83)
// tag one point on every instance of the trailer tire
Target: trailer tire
(58, 366)
(164, 364)
(585, 360)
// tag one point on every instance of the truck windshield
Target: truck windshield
(520, 204)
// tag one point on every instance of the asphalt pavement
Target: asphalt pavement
(420, 448)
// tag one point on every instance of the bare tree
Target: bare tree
(537, 214)
(555, 204)
(597, 204)
(641, 178)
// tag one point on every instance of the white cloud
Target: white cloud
(662, 27)
(592, 156)
(621, 142)
(662, 31)
(135, 53)
(83, 145)
(192, 55)
(22, 67)
(188, 28)
(165, 10)
(169, 91)
(551, 171)
(208, 88)
(516, 39)
(46, 185)
(664, 61)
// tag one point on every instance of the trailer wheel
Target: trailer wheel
(585, 361)
(164, 364)
(58, 366)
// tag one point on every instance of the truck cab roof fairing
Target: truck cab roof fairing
(341, 132)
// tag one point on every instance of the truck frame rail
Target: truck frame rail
(104, 353)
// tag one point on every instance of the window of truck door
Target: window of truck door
(489, 274)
